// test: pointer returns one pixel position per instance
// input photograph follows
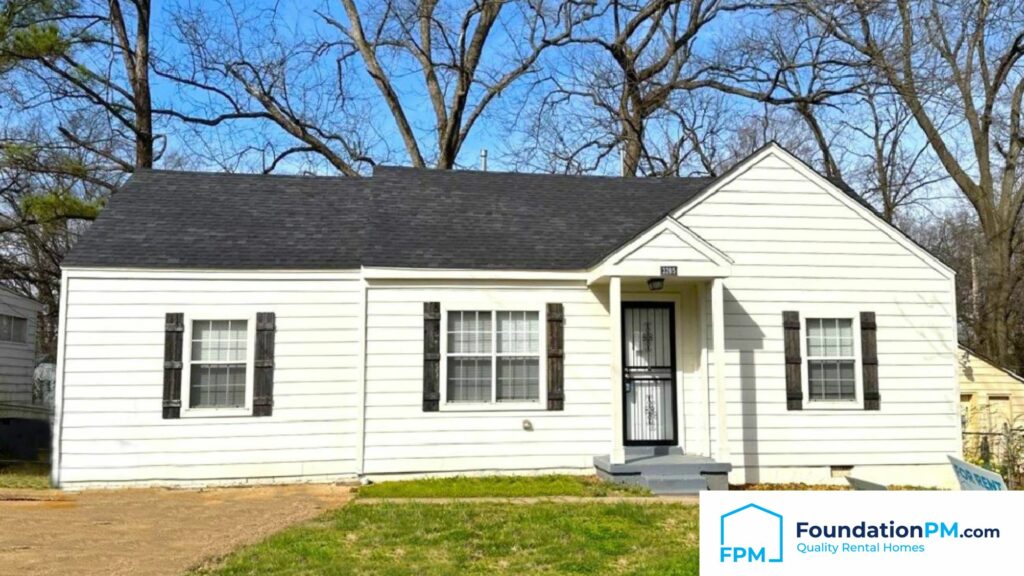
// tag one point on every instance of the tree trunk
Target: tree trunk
(999, 295)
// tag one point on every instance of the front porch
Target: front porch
(666, 302)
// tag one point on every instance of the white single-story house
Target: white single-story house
(767, 324)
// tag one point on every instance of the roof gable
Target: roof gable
(774, 156)
(667, 243)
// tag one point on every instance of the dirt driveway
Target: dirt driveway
(150, 531)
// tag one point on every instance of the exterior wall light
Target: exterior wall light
(655, 284)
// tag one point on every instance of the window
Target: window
(831, 360)
(13, 329)
(965, 410)
(493, 356)
(218, 364)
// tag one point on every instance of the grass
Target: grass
(480, 538)
(500, 486)
(27, 476)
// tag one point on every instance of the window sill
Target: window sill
(833, 405)
(215, 412)
(494, 407)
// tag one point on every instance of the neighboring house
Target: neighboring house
(229, 328)
(18, 317)
(991, 397)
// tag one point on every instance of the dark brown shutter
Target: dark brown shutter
(174, 334)
(263, 379)
(869, 359)
(556, 357)
(431, 356)
(794, 364)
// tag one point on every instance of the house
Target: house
(766, 324)
(991, 400)
(18, 317)
(24, 412)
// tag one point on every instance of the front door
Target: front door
(649, 373)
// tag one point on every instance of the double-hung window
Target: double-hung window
(13, 329)
(218, 364)
(493, 356)
(831, 360)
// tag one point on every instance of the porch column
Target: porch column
(718, 360)
(618, 455)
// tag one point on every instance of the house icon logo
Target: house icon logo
(750, 534)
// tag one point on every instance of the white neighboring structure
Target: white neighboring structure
(18, 318)
(438, 323)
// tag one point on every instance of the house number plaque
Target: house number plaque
(669, 271)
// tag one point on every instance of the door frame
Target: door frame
(674, 403)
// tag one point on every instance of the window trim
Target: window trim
(187, 411)
(829, 312)
(494, 307)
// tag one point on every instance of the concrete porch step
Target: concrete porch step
(675, 484)
(665, 470)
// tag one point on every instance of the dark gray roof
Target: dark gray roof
(400, 217)
(204, 220)
(493, 220)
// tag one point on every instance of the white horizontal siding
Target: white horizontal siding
(797, 247)
(401, 438)
(113, 383)
(17, 360)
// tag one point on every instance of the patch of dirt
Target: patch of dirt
(149, 531)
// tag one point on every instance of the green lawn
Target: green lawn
(30, 476)
(481, 538)
(499, 486)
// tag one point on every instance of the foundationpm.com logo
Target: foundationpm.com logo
(809, 533)
(750, 534)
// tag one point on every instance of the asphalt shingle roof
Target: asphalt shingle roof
(400, 217)
(162, 219)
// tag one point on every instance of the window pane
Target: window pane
(845, 329)
(815, 345)
(469, 379)
(469, 332)
(217, 386)
(831, 380)
(219, 340)
(19, 330)
(5, 328)
(518, 379)
(518, 332)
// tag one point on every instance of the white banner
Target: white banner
(874, 533)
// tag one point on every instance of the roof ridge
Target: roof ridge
(244, 174)
(438, 171)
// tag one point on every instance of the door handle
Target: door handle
(629, 386)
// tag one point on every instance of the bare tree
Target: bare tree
(888, 164)
(964, 57)
(92, 54)
(451, 51)
(257, 85)
(790, 60)
(625, 69)
(327, 85)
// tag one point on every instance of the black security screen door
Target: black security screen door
(649, 373)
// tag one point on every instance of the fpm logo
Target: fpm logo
(754, 535)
